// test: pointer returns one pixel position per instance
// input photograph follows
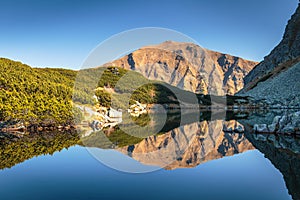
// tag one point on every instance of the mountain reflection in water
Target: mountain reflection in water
(189, 145)
(182, 143)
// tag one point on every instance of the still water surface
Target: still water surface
(242, 170)
(75, 174)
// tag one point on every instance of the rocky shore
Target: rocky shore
(19, 127)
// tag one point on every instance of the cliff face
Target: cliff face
(283, 56)
(190, 145)
(189, 66)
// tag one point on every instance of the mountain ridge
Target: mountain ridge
(288, 49)
(275, 79)
(189, 67)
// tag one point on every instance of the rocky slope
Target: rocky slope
(190, 145)
(188, 66)
(276, 77)
(281, 90)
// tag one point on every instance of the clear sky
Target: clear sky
(61, 33)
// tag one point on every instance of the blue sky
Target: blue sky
(62, 33)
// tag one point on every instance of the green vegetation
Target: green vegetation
(117, 85)
(104, 98)
(129, 84)
(85, 84)
(35, 95)
(44, 95)
(111, 76)
(123, 83)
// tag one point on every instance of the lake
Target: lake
(209, 158)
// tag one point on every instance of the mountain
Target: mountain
(118, 86)
(276, 78)
(189, 67)
(45, 96)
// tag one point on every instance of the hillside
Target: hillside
(189, 67)
(118, 84)
(284, 55)
(276, 78)
(46, 95)
(43, 95)
(35, 95)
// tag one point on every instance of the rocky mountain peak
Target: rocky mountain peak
(188, 66)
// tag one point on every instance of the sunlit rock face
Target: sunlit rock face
(189, 66)
(189, 145)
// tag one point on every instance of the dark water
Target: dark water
(214, 165)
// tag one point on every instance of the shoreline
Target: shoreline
(31, 128)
